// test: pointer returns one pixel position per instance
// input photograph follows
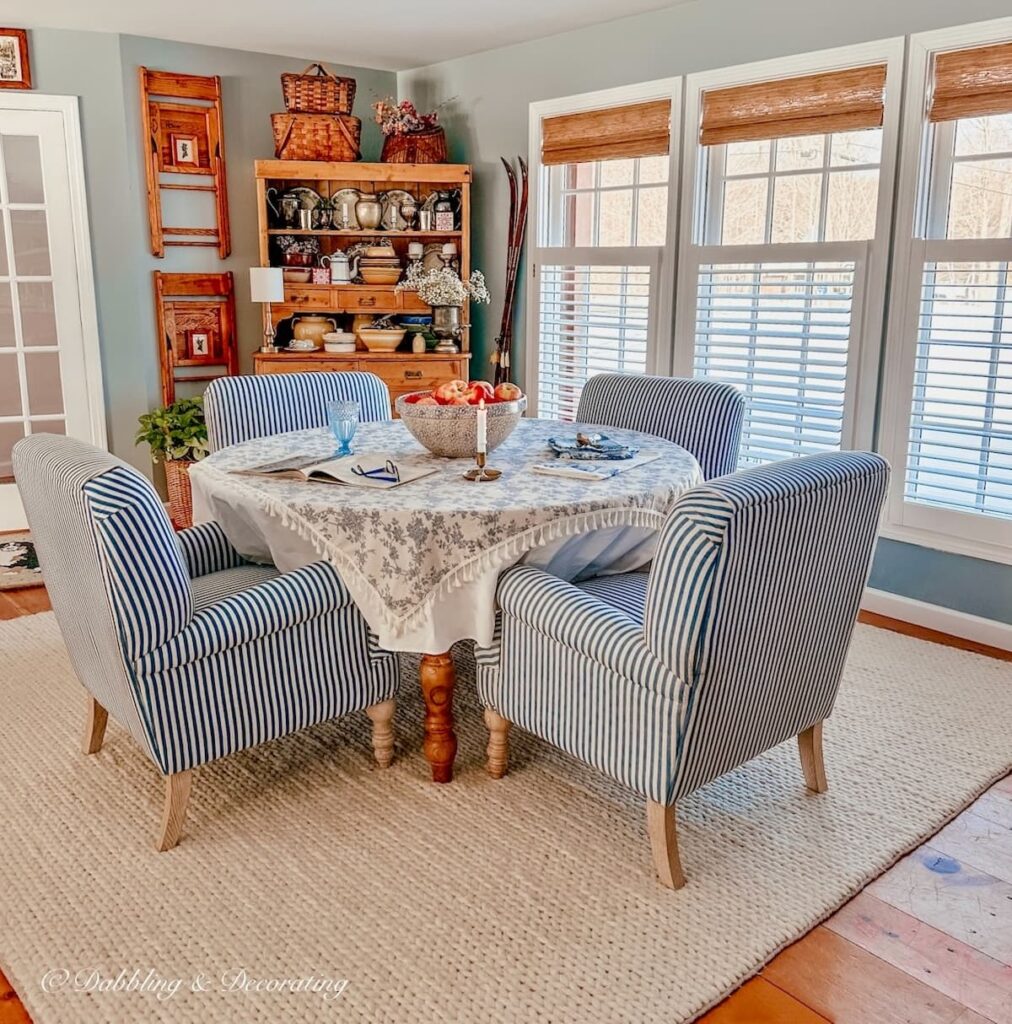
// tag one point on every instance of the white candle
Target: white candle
(415, 248)
(482, 443)
(449, 248)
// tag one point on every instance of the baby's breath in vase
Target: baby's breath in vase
(446, 293)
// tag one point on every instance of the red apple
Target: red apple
(507, 392)
(447, 392)
(426, 400)
(416, 398)
(477, 391)
(458, 401)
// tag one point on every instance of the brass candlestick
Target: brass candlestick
(481, 474)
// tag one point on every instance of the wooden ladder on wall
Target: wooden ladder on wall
(184, 139)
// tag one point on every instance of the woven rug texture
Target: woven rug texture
(531, 899)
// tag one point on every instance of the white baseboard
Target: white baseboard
(933, 616)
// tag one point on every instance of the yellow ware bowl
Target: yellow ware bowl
(379, 340)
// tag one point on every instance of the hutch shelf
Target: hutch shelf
(403, 370)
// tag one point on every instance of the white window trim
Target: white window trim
(859, 428)
(663, 310)
(978, 536)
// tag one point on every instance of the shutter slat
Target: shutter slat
(794, 380)
(959, 450)
(592, 319)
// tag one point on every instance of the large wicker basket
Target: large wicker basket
(318, 93)
(316, 136)
(427, 147)
(177, 480)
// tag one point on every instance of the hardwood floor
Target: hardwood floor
(929, 942)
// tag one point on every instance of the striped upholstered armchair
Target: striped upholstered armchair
(703, 416)
(733, 642)
(195, 652)
(243, 408)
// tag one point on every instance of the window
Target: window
(602, 204)
(950, 434)
(782, 263)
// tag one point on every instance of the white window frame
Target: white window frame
(660, 258)
(872, 256)
(963, 533)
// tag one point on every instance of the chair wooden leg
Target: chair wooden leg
(382, 716)
(94, 727)
(810, 748)
(664, 844)
(498, 743)
(177, 795)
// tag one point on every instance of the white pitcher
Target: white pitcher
(342, 269)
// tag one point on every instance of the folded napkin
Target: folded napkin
(570, 469)
(600, 449)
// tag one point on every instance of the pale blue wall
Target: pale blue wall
(488, 116)
(101, 69)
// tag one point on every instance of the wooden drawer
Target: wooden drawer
(367, 300)
(289, 365)
(413, 374)
(308, 296)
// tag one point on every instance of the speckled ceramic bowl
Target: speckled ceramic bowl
(450, 430)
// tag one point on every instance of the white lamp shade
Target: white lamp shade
(266, 284)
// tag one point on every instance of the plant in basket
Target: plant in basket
(177, 435)
(408, 136)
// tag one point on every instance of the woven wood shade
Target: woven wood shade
(834, 101)
(639, 129)
(972, 83)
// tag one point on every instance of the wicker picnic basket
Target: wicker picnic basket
(316, 136)
(318, 93)
(425, 147)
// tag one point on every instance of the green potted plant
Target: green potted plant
(177, 435)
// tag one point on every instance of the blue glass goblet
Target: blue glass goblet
(343, 424)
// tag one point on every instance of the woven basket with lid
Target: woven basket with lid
(317, 91)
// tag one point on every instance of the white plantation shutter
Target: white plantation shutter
(785, 332)
(959, 451)
(596, 314)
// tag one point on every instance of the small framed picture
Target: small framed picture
(200, 344)
(15, 72)
(184, 149)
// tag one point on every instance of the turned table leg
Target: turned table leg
(440, 745)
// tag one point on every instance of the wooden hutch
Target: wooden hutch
(403, 370)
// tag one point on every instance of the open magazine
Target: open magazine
(372, 470)
(576, 470)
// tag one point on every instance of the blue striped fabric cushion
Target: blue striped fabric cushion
(259, 664)
(627, 592)
(242, 408)
(205, 548)
(703, 416)
(51, 471)
(213, 587)
(148, 583)
(785, 591)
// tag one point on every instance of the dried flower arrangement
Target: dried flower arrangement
(443, 286)
(403, 118)
(289, 243)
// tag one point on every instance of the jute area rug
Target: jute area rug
(526, 900)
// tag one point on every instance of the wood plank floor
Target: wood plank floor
(929, 942)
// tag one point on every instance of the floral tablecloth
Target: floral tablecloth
(421, 560)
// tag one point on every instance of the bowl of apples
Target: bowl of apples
(444, 420)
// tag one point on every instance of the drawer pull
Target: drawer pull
(367, 301)
(413, 374)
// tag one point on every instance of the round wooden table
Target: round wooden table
(422, 560)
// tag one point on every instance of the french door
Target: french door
(50, 376)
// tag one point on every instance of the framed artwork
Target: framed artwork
(15, 71)
(183, 149)
(200, 344)
(195, 314)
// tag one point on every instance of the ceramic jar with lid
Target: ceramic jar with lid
(308, 331)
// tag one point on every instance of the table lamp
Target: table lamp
(267, 285)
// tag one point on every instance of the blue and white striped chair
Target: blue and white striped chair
(703, 416)
(243, 408)
(195, 652)
(732, 643)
